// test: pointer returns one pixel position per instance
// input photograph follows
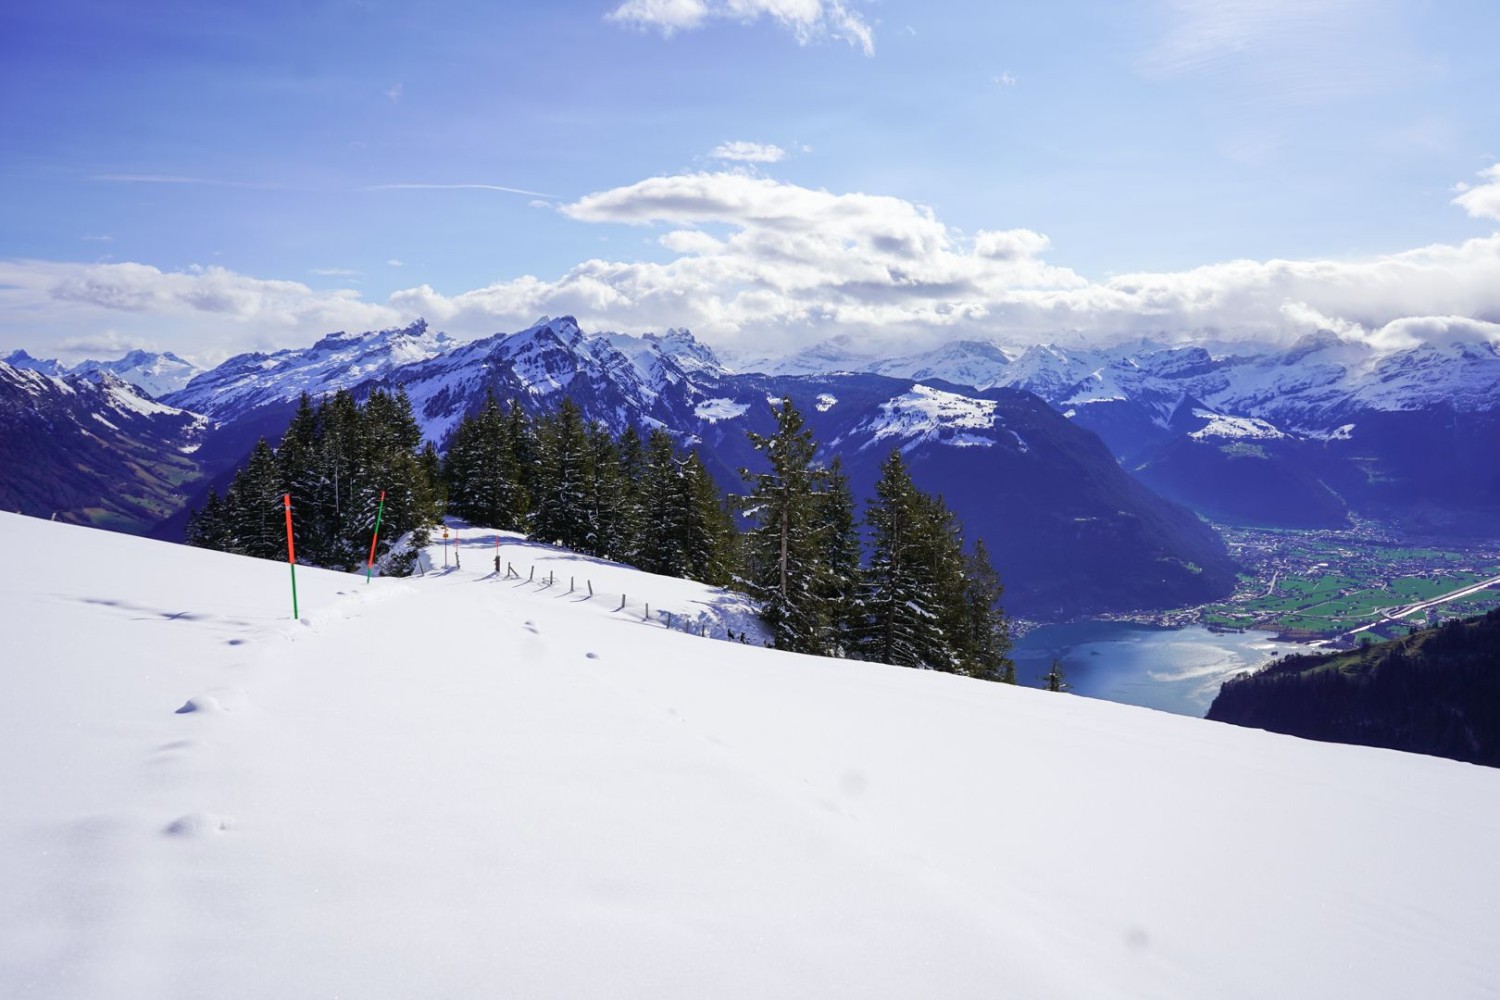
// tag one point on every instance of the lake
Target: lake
(1172, 669)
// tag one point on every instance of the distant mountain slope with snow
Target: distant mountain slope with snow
(1054, 517)
(460, 786)
(153, 373)
(157, 374)
(338, 361)
(93, 449)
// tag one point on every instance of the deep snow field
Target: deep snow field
(463, 786)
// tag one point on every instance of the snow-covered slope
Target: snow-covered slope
(460, 786)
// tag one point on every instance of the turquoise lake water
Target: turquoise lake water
(1172, 669)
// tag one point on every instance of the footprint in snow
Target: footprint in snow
(592, 655)
(197, 824)
(222, 700)
(532, 628)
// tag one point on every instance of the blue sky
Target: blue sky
(217, 177)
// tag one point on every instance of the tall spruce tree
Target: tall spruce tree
(985, 630)
(843, 576)
(254, 505)
(561, 489)
(785, 546)
(660, 545)
(709, 539)
(902, 606)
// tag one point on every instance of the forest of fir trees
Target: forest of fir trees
(904, 592)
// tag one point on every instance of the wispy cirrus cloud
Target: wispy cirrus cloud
(807, 20)
(459, 187)
(182, 179)
(1291, 50)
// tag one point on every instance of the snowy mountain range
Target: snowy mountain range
(1053, 506)
(1294, 436)
(467, 787)
(1304, 387)
(155, 374)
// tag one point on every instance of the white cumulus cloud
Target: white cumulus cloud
(1482, 201)
(748, 152)
(807, 20)
(757, 262)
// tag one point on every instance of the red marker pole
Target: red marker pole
(379, 513)
(291, 552)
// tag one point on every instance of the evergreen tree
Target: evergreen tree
(388, 465)
(521, 452)
(208, 527)
(482, 481)
(607, 496)
(843, 578)
(254, 505)
(785, 546)
(709, 538)
(1055, 679)
(335, 459)
(561, 489)
(902, 605)
(985, 631)
(338, 506)
(632, 457)
(660, 547)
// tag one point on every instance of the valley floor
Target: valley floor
(470, 786)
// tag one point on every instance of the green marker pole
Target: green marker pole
(291, 552)
(379, 513)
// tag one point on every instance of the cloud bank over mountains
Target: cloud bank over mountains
(748, 260)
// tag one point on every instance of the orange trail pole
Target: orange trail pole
(379, 513)
(291, 552)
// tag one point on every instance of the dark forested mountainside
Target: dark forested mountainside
(93, 450)
(1435, 692)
